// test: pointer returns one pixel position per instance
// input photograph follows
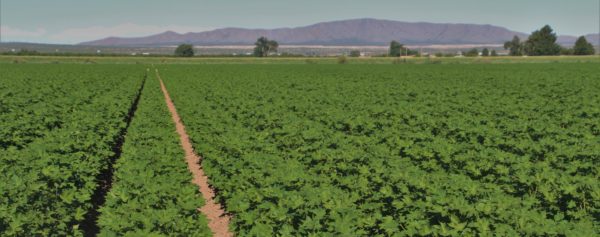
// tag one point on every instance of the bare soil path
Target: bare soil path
(218, 221)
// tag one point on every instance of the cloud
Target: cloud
(76, 35)
(10, 33)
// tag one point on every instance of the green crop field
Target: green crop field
(297, 147)
(59, 127)
(410, 150)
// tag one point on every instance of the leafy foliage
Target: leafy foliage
(395, 49)
(402, 150)
(263, 47)
(542, 42)
(583, 47)
(514, 46)
(485, 52)
(152, 193)
(472, 53)
(306, 150)
(59, 126)
(184, 50)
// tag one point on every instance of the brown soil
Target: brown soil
(218, 221)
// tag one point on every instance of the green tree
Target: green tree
(514, 46)
(472, 53)
(395, 49)
(485, 52)
(264, 47)
(583, 47)
(354, 53)
(542, 42)
(494, 53)
(566, 51)
(184, 50)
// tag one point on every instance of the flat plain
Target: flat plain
(302, 146)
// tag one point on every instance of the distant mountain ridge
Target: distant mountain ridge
(346, 32)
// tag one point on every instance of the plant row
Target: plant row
(382, 150)
(152, 193)
(60, 127)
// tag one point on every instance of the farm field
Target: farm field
(60, 125)
(298, 148)
(152, 193)
(63, 128)
(377, 150)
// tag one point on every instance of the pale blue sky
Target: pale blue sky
(72, 21)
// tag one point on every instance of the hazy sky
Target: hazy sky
(72, 21)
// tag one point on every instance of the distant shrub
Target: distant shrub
(472, 53)
(342, 60)
(566, 51)
(485, 52)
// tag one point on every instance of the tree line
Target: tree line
(262, 48)
(543, 42)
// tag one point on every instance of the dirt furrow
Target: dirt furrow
(218, 221)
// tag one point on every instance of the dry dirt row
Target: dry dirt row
(218, 221)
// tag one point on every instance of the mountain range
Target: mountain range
(346, 32)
